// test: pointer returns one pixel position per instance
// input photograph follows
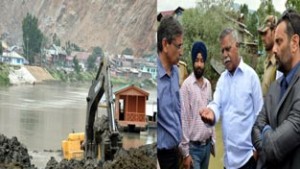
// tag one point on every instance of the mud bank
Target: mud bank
(143, 157)
(13, 154)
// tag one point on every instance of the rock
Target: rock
(13, 154)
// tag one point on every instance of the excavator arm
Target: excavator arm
(110, 144)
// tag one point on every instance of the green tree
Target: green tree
(204, 23)
(266, 8)
(91, 62)
(1, 49)
(98, 51)
(294, 4)
(127, 51)
(56, 40)
(244, 10)
(32, 37)
(69, 47)
(76, 65)
(252, 24)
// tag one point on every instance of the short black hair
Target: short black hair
(292, 20)
(169, 28)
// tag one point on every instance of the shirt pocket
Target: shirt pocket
(244, 101)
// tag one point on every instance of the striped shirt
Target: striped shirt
(194, 98)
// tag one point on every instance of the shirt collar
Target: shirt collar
(194, 80)
(161, 70)
(291, 74)
(241, 67)
(271, 60)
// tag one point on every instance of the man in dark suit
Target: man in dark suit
(276, 132)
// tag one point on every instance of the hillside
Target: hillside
(111, 24)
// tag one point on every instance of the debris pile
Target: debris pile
(143, 157)
(13, 154)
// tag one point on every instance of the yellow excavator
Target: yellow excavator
(101, 138)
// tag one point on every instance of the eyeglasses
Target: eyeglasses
(179, 46)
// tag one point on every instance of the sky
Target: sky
(163, 5)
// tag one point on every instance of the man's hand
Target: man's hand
(187, 162)
(207, 116)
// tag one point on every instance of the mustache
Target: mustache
(227, 59)
(198, 69)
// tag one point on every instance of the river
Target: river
(42, 115)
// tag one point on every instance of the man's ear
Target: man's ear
(295, 43)
(237, 44)
(165, 45)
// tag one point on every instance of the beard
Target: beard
(269, 47)
(198, 72)
(283, 62)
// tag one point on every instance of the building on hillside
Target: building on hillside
(55, 54)
(82, 58)
(177, 13)
(149, 68)
(13, 58)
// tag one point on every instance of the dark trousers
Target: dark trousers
(251, 164)
(168, 158)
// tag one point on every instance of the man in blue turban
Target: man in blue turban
(198, 48)
(196, 93)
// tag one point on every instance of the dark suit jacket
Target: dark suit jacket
(279, 147)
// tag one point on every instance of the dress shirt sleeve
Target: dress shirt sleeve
(256, 96)
(215, 104)
(260, 118)
(186, 119)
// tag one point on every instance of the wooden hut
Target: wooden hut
(130, 109)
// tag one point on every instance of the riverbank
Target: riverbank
(19, 75)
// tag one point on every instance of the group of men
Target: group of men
(260, 121)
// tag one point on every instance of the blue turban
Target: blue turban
(199, 47)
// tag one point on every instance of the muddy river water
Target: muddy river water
(41, 116)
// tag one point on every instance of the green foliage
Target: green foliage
(127, 51)
(32, 37)
(91, 61)
(71, 76)
(56, 40)
(4, 72)
(98, 52)
(204, 25)
(1, 48)
(252, 24)
(76, 65)
(69, 47)
(260, 66)
(244, 10)
(294, 4)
